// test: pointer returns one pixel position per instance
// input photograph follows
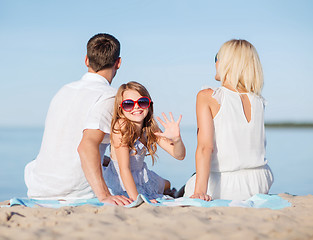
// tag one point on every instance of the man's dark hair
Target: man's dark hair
(102, 51)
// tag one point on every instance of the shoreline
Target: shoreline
(288, 125)
(270, 124)
(148, 222)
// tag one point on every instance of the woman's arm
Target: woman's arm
(205, 137)
(122, 155)
(170, 140)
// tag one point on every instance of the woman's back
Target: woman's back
(239, 140)
(230, 155)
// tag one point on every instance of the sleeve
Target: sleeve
(218, 95)
(264, 101)
(100, 115)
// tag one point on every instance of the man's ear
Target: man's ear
(87, 61)
(118, 63)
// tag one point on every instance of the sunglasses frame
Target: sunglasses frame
(135, 103)
(216, 58)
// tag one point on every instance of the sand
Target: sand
(148, 222)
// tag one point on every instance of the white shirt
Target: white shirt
(56, 173)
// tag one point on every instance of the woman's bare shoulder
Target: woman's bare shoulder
(205, 94)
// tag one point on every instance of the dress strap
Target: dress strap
(240, 92)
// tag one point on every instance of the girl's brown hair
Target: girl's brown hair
(128, 128)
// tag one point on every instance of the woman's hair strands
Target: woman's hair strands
(240, 66)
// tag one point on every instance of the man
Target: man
(77, 128)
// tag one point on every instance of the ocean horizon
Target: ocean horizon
(289, 155)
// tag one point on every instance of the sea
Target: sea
(289, 154)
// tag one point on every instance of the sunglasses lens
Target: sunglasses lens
(215, 58)
(128, 105)
(144, 102)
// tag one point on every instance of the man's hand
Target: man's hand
(91, 164)
(119, 200)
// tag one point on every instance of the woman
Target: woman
(230, 155)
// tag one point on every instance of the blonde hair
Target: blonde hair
(128, 128)
(240, 66)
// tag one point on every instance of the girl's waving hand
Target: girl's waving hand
(171, 128)
(170, 140)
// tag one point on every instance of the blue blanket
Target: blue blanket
(257, 201)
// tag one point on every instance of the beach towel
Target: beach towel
(257, 201)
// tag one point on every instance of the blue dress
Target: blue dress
(147, 182)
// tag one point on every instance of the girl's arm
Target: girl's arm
(122, 156)
(170, 140)
(205, 143)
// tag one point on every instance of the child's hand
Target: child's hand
(171, 128)
(153, 201)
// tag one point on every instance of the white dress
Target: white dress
(239, 168)
(147, 182)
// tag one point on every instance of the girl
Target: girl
(134, 133)
(230, 155)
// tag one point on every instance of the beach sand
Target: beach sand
(148, 222)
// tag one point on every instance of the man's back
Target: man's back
(56, 172)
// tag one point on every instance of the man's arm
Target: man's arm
(89, 154)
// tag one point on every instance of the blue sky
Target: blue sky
(168, 46)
